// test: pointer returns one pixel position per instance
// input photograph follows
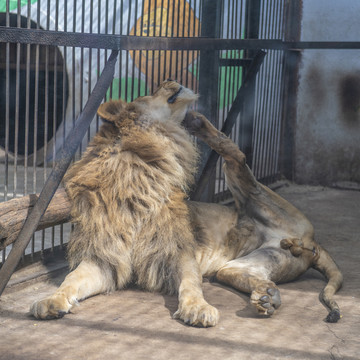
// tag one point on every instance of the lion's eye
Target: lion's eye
(172, 98)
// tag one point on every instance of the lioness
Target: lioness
(132, 222)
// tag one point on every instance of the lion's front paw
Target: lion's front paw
(267, 301)
(198, 313)
(54, 307)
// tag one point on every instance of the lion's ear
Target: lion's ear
(110, 110)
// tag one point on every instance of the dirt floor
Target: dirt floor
(133, 324)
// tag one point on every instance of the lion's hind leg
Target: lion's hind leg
(86, 280)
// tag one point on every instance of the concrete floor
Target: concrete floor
(133, 324)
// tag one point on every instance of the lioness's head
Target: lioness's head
(172, 99)
(168, 103)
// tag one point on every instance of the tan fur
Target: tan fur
(132, 221)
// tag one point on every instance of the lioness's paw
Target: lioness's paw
(194, 121)
(198, 314)
(50, 308)
(266, 302)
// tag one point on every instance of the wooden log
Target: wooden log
(13, 214)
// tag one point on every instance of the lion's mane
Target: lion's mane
(128, 200)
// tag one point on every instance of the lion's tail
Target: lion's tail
(326, 265)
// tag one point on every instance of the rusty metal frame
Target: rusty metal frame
(126, 42)
(229, 123)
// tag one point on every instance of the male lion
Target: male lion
(132, 222)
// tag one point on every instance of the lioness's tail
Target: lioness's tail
(326, 265)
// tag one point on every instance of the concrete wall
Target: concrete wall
(327, 148)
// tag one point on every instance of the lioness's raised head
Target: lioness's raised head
(173, 99)
(168, 103)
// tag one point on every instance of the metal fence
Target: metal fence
(43, 88)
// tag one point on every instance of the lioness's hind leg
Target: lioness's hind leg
(258, 272)
(265, 295)
(86, 280)
(239, 177)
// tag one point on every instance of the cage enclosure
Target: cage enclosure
(241, 56)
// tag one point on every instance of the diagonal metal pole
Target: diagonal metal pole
(229, 123)
(63, 161)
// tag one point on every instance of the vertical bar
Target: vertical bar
(133, 95)
(27, 116)
(54, 119)
(182, 51)
(90, 50)
(209, 77)
(55, 105)
(36, 105)
(271, 115)
(260, 109)
(114, 17)
(65, 84)
(121, 53)
(17, 102)
(198, 52)
(252, 22)
(46, 110)
(46, 116)
(265, 113)
(140, 52)
(151, 86)
(292, 60)
(64, 102)
(127, 52)
(187, 53)
(172, 34)
(192, 53)
(27, 104)
(153, 52)
(219, 186)
(238, 72)
(36, 102)
(82, 66)
(160, 52)
(113, 32)
(61, 236)
(273, 150)
(99, 51)
(7, 115)
(73, 70)
(7, 107)
(176, 34)
(279, 88)
(166, 53)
